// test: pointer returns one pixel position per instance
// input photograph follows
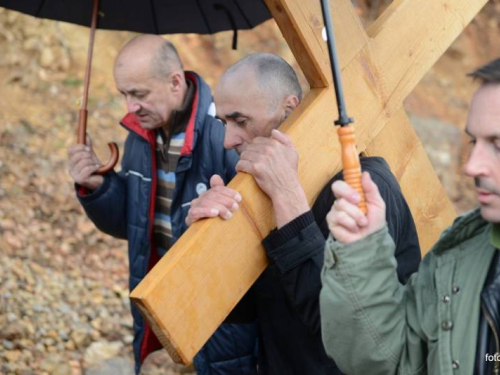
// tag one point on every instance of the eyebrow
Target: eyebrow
(493, 136)
(235, 115)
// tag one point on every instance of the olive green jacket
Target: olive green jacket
(371, 324)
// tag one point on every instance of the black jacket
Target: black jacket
(285, 299)
(489, 322)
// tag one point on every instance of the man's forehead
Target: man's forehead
(484, 112)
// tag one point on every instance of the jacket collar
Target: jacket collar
(131, 123)
(464, 228)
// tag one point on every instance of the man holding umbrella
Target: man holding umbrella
(446, 319)
(253, 98)
(173, 148)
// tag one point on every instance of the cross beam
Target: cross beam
(189, 293)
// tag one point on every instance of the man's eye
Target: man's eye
(496, 144)
(241, 122)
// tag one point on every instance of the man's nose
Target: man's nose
(132, 106)
(230, 138)
(476, 164)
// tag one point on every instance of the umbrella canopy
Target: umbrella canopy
(153, 16)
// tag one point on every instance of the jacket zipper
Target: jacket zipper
(495, 333)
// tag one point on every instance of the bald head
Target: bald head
(255, 96)
(274, 76)
(151, 51)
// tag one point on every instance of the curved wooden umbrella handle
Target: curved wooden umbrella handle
(82, 135)
(113, 148)
(350, 161)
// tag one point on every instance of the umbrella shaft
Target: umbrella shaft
(89, 55)
(339, 91)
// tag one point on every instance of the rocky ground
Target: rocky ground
(64, 306)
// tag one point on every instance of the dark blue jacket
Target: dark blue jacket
(123, 206)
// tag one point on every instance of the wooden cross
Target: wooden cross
(196, 284)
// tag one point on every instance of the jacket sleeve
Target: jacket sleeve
(106, 206)
(298, 255)
(369, 321)
(400, 225)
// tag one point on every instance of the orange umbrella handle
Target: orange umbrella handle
(350, 161)
(82, 132)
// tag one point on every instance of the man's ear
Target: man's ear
(290, 103)
(176, 80)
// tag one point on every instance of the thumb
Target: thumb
(281, 137)
(372, 194)
(88, 140)
(216, 180)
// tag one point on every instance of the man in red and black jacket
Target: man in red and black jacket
(173, 147)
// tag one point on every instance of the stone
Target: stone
(55, 365)
(101, 351)
(12, 355)
(15, 330)
(9, 345)
(46, 58)
(112, 366)
(80, 337)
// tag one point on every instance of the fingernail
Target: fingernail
(356, 198)
(238, 197)
(235, 206)
(87, 148)
(228, 215)
(214, 212)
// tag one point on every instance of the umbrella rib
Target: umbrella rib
(155, 23)
(204, 17)
(42, 3)
(243, 13)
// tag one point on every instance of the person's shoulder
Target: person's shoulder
(375, 165)
(380, 173)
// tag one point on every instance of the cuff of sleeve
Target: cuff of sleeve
(85, 195)
(308, 243)
(279, 237)
(359, 252)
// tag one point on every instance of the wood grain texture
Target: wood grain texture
(400, 146)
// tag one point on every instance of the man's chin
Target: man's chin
(490, 213)
(147, 125)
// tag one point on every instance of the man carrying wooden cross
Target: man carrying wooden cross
(446, 320)
(253, 98)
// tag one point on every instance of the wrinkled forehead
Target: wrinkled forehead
(240, 94)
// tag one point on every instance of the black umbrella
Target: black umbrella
(152, 17)
(350, 157)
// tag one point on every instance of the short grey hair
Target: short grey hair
(275, 75)
(165, 60)
(489, 73)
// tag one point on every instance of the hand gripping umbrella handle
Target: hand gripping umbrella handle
(350, 160)
(82, 132)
